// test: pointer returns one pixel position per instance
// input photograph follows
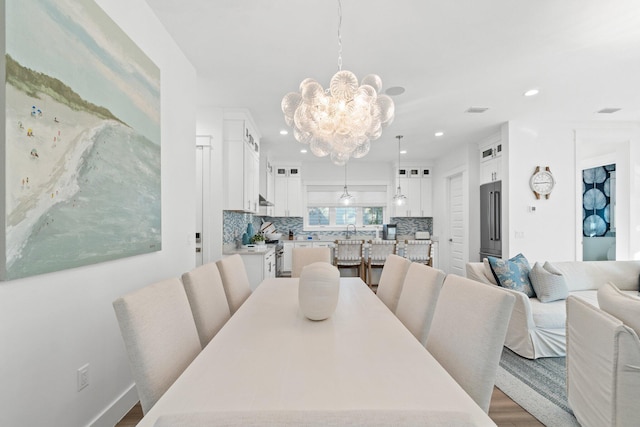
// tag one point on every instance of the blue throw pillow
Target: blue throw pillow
(512, 273)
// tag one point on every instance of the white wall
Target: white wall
(358, 172)
(552, 231)
(210, 121)
(50, 325)
(549, 232)
(597, 146)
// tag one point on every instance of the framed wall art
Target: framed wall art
(82, 140)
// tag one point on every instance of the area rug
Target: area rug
(539, 386)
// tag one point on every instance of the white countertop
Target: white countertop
(256, 250)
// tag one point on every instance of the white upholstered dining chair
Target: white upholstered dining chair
(306, 256)
(467, 333)
(418, 298)
(391, 280)
(207, 299)
(159, 335)
(235, 281)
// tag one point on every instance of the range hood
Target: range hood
(264, 202)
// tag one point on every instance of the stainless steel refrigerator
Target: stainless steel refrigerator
(491, 219)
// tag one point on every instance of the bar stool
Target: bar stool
(379, 250)
(348, 253)
(418, 251)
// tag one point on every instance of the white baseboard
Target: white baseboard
(114, 413)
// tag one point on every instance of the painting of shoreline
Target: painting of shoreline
(82, 140)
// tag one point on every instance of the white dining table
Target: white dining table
(268, 356)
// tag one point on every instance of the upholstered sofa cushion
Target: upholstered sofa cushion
(512, 273)
(487, 271)
(548, 283)
(620, 305)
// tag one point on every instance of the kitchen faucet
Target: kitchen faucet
(346, 234)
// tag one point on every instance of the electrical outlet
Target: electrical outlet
(83, 376)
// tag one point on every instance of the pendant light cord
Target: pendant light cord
(399, 138)
(339, 35)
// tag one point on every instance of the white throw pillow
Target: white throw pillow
(622, 306)
(548, 283)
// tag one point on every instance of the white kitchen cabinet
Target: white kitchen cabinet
(287, 192)
(491, 162)
(259, 266)
(241, 151)
(417, 186)
(270, 265)
(287, 256)
(270, 190)
(323, 244)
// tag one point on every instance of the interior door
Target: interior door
(457, 229)
(203, 198)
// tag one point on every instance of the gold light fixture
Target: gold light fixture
(346, 198)
(342, 120)
(399, 199)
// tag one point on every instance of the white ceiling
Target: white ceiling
(583, 55)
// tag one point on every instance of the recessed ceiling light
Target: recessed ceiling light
(284, 132)
(395, 90)
(531, 92)
(439, 133)
(403, 152)
(303, 151)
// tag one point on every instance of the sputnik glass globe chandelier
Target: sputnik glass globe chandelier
(342, 120)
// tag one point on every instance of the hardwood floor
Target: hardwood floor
(503, 411)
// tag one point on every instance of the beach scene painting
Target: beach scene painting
(82, 140)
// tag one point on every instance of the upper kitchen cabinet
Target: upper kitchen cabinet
(416, 184)
(267, 188)
(491, 160)
(241, 147)
(288, 191)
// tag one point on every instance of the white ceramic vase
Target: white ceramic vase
(318, 290)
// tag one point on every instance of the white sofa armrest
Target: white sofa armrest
(603, 367)
(475, 271)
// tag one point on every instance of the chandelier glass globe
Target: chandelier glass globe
(342, 120)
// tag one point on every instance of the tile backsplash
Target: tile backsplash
(408, 226)
(235, 223)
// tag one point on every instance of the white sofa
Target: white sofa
(538, 329)
(603, 364)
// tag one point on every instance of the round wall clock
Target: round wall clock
(542, 182)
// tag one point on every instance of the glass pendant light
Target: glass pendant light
(346, 198)
(399, 199)
(342, 120)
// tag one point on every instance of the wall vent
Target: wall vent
(608, 110)
(476, 109)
